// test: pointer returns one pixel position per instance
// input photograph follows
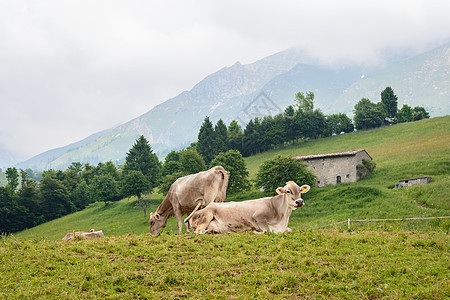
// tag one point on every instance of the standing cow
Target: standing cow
(259, 215)
(189, 193)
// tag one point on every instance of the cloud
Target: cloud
(71, 68)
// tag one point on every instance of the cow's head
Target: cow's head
(157, 222)
(293, 193)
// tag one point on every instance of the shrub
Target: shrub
(276, 172)
(365, 168)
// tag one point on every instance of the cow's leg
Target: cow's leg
(261, 225)
(203, 222)
(177, 213)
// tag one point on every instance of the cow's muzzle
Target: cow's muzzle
(299, 203)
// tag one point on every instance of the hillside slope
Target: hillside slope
(401, 151)
(235, 93)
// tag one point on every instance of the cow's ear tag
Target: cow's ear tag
(304, 188)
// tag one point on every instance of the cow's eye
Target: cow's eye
(288, 191)
(152, 222)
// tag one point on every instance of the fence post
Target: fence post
(348, 224)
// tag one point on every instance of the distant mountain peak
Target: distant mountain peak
(230, 93)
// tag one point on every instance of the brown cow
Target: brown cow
(259, 215)
(189, 193)
(87, 235)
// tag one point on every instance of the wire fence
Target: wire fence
(349, 221)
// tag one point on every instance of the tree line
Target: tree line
(298, 122)
(368, 114)
(26, 202)
(301, 122)
(30, 199)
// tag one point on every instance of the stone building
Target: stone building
(414, 181)
(334, 168)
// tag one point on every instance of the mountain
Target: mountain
(423, 80)
(6, 158)
(267, 86)
(45, 159)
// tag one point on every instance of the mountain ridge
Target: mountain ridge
(230, 91)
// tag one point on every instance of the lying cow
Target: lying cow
(188, 194)
(87, 235)
(260, 215)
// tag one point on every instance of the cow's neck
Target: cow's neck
(165, 209)
(281, 205)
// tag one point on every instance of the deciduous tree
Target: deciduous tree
(234, 163)
(12, 177)
(420, 113)
(134, 183)
(367, 115)
(54, 198)
(276, 172)
(338, 123)
(405, 114)
(104, 188)
(304, 102)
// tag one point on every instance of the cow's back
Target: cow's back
(207, 186)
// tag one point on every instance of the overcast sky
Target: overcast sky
(72, 68)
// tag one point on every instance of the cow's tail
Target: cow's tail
(223, 186)
(190, 216)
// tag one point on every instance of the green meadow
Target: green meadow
(307, 264)
(406, 259)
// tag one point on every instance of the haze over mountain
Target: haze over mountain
(264, 87)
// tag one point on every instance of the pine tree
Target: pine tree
(235, 136)
(220, 130)
(206, 141)
(389, 100)
(141, 158)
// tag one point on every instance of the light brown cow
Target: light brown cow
(259, 215)
(189, 193)
(87, 235)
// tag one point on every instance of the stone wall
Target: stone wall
(414, 181)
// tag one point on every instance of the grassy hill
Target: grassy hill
(401, 151)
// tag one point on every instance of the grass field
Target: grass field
(301, 265)
(372, 260)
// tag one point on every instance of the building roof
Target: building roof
(329, 155)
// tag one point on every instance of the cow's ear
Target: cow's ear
(304, 188)
(280, 191)
(157, 216)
